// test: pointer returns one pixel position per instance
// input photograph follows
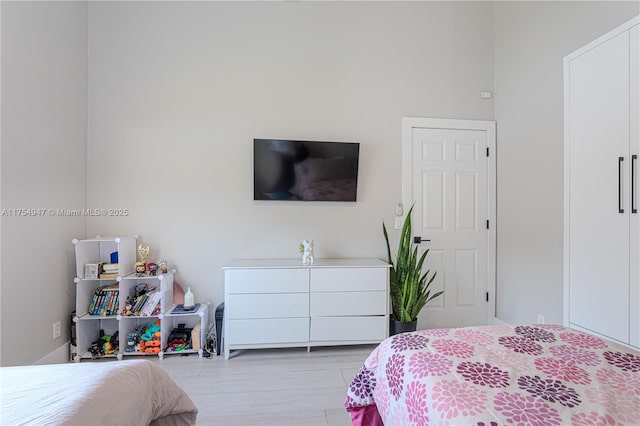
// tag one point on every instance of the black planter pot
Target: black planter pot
(397, 327)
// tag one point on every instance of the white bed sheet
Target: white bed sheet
(130, 392)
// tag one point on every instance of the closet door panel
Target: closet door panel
(634, 104)
(599, 233)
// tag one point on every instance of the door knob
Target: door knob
(419, 240)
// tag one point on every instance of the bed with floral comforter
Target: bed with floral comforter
(497, 375)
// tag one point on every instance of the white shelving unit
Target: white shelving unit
(92, 251)
(98, 250)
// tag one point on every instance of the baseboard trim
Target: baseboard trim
(57, 356)
(497, 321)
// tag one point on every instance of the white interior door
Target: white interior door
(450, 180)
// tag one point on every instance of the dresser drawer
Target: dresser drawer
(348, 303)
(268, 281)
(349, 328)
(265, 331)
(349, 279)
(273, 305)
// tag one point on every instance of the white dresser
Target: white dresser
(277, 303)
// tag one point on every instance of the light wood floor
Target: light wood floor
(283, 387)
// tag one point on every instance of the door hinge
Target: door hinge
(487, 296)
(487, 223)
(487, 151)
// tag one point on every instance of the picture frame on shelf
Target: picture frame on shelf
(91, 270)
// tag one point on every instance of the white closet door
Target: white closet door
(634, 49)
(599, 233)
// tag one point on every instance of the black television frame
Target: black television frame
(291, 170)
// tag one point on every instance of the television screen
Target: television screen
(305, 170)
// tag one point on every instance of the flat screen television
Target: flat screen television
(305, 170)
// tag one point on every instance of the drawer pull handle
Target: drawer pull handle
(620, 209)
(634, 208)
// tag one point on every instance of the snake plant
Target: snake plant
(410, 288)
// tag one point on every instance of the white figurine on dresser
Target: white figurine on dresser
(307, 252)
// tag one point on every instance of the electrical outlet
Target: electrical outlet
(398, 222)
(56, 329)
(540, 319)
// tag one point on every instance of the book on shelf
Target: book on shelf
(180, 309)
(195, 337)
(109, 275)
(146, 304)
(112, 305)
(96, 296)
(107, 303)
(109, 267)
(140, 302)
(104, 301)
(96, 309)
(151, 304)
(157, 305)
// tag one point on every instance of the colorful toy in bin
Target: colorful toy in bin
(179, 339)
(105, 345)
(150, 338)
(133, 342)
(177, 345)
(150, 347)
(151, 331)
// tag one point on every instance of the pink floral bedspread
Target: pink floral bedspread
(496, 375)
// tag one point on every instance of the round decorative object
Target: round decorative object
(143, 252)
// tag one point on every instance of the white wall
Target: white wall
(44, 124)
(531, 38)
(178, 91)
